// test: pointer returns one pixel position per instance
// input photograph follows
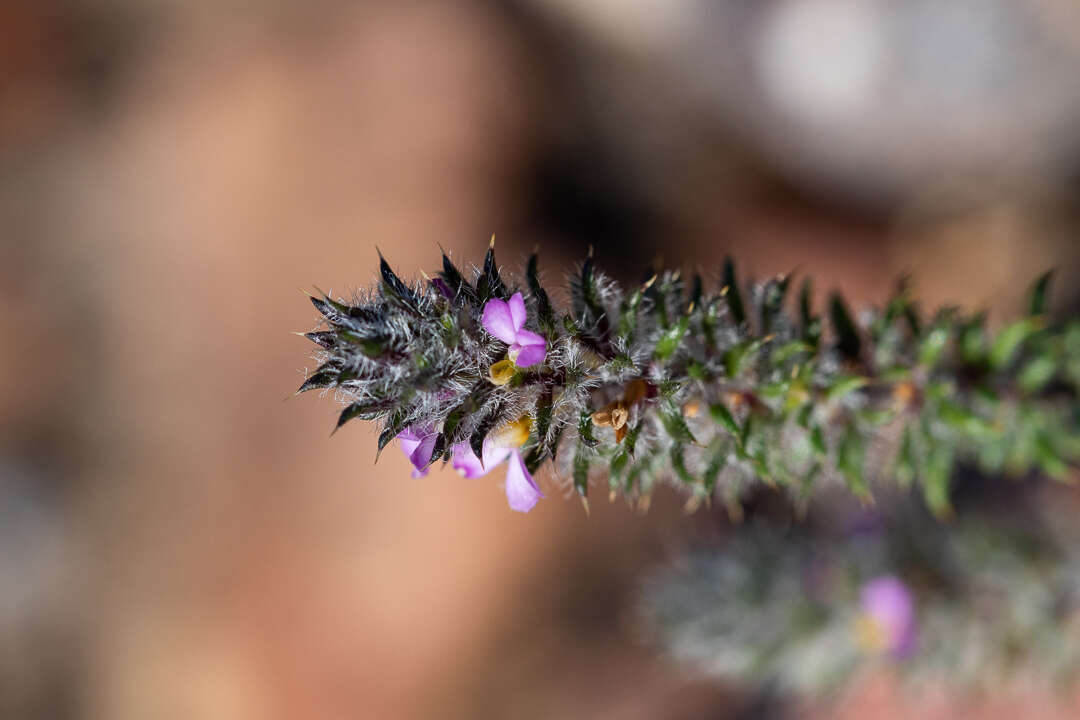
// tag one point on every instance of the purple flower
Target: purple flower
(522, 491)
(506, 321)
(417, 444)
(888, 617)
(444, 289)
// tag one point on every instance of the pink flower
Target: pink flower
(417, 444)
(522, 491)
(506, 321)
(888, 616)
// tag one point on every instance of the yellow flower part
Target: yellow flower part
(514, 434)
(870, 635)
(502, 372)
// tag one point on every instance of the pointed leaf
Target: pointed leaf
(457, 283)
(733, 294)
(367, 410)
(585, 430)
(324, 339)
(672, 337)
(394, 289)
(848, 342)
(844, 386)
(678, 464)
(772, 304)
(544, 312)
(725, 419)
(324, 377)
(394, 425)
(490, 284)
(1037, 374)
(581, 471)
(476, 440)
(1009, 341)
(1039, 294)
(675, 424)
(811, 324)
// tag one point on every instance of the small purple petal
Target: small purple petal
(498, 320)
(529, 355)
(517, 311)
(421, 456)
(521, 491)
(530, 347)
(493, 455)
(417, 444)
(440, 285)
(466, 462)
(888, 603)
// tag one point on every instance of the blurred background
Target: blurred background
(179, 538)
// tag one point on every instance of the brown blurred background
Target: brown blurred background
(177, 541)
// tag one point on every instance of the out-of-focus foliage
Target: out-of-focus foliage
(996, 597)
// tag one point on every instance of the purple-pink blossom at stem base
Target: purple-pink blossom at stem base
(417, 444)
(888, 604)
(522, 492)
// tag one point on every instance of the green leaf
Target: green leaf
(817, 441)
(710, 319)
(585, 430)
(394, 425)
(543, 414)
(672, 337)
(489, 284)
(790, 350)
(724, 418)
(357, 409)
(697, 290)
(1050, 461)
(450, 426)
(545, 314)
(1009, 341)
(326, 376)
(697, 371)
(1040, 291)
(476, 440)
(739, 356)
(844, 386)
(581, 471)
(534, 459)
(973, 340)
(932, 345)
(937, 478)
(395, 290)
(456, 282)
(675, 425)
(619, 462)
(1037, 373)
(628, 317)
(716, 465)
(811, 324)
(733, 293)
(553, 443)
(848, 342)
(905, 459)
(632, 433)
(850, 460)
(678, 464)
(772, 303)
(324, 339)
(372, 342)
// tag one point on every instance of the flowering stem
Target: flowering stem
(709, 391)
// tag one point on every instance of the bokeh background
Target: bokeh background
(180, 538)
